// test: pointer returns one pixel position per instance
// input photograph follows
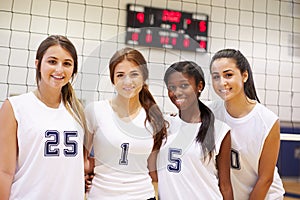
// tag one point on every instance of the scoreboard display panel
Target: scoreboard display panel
(164, 28)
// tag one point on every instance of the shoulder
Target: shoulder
(174, 123)
(220, 125)
(221, 129)
(265, 113)
(6, 107)
(22, 101)
(170, 116)
(95, 105)
(214, 105)
(20, 97)
(97, 111)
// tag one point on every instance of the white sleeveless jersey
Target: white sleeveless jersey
(50, 152)
(248, 135)
(121, 150)
(182, 171)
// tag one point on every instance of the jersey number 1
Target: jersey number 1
(125, 148)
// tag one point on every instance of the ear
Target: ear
(200, 86)
(36, 63)
(245, 76)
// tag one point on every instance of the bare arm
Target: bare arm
(8, 148)
(153, 170)
(223, 164)
(267, 163)
(152, 165)
(89, 162)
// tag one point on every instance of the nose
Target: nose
(177, 92)
(223, 81)
(59, 67)
(127, 80)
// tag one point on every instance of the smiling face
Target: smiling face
(128, 79)
(183, 91)
(227, 80)
(56, 69)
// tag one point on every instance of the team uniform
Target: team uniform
(182, 171)
(50, 152)
(248, 135)
(121, 150)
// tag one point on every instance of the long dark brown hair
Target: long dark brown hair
(205, 134)
(243, 65)
(153, 113)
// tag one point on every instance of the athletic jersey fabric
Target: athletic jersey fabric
(121, 150)
(248, 135)
(50, 157)
(182, 171)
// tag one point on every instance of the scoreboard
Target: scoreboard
(164, 28)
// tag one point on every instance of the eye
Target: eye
(215, 77)
(119, 75)
(228, 75)
(52, 62)
(135, 74)
(184, 86)
(68, 64)
(172, 88)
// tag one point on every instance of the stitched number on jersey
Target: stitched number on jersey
(52, 142)
(235, 160)
(71, 144)
(123, 160)
(173, 158)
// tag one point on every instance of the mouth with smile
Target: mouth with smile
(224, 91)
(179, 102)
(128, 88)
(57, 77)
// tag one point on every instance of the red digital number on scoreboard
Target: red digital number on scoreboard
(166, 28)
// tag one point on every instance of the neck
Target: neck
(191, 115)
(239, 107)
(125, 107)
(50, 98)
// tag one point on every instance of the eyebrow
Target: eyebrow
(53, 57)
(135, 71)
(71, 60)
(228, 70)
(121, 72)
(181, 81)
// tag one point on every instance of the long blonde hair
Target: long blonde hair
(70, 101)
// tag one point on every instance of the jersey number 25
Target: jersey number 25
(52, 142)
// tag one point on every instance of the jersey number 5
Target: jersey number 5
(176, 162)
(51, 144)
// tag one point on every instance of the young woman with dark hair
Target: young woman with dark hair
(255, 130)
(127, 132)
(195, 161)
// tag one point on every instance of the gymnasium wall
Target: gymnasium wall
(267, 32)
